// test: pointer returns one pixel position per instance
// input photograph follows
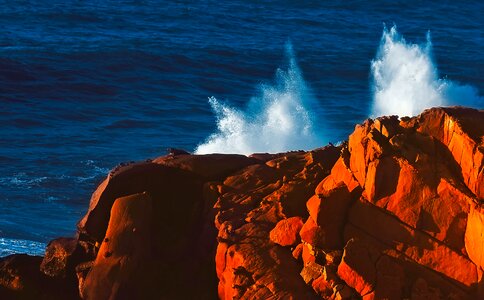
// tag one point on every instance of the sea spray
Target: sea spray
(406, 81)
(277, 120)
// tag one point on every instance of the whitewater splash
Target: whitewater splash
(405, 79)
(277, 120)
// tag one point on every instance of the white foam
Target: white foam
(277, 120)
(13, 246)
(405, 79)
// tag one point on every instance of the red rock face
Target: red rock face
(394, 213)
(255, 226)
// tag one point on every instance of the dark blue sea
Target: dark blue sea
(85, 85)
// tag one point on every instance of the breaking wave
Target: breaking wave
(277, 120)
(405, 79)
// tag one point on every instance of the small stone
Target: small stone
(297, 252)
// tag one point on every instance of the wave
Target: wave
(405, 79)
(12, 246)
(276, 120)
(23, 180)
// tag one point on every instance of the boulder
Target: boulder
(286, 232)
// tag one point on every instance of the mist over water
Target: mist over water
(278, 119)
(406, 80)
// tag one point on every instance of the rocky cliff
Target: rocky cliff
(393, 213)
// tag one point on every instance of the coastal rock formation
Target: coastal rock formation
(393, 213)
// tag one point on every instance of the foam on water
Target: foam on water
(12, 246)
(406, 81)
(277, 120)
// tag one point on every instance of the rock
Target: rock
(137, 178)
(357, 267)
(297, 252)
(176, 152)
(414, 244)
(390, 280)
(460, 130)
(257, 201)
(175, 190)
(61, 256)
(21, 278)
(474, 236)
(322, 287)
(328, 209)
(311, 271)
(286, 232)
(209, 166)
(311, 233)
(308, 254)
(123, 266)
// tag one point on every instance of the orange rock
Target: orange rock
(357, 267)
(414, 244)
(322, 287)
(461, 131)
(258, 203)
(328, 210)
(311, 233)
(308, 254)
(339, 173)
(122, 267)
(297, 252)
(474, 236)
(286, 232)
(357, 145)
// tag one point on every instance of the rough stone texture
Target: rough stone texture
(393, 213)
(286, 232)
(248, 264)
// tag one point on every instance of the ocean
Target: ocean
(86, 85)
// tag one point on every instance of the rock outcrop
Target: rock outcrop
(393, 213)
